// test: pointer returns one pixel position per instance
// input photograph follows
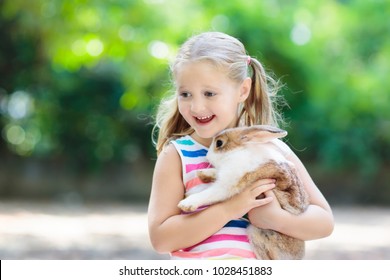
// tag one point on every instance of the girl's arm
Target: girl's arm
(316, 222)
(168, 229)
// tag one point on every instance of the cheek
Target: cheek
(183, 110)
(230, 109)
(181, 107)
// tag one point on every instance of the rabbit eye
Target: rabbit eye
(218, 143)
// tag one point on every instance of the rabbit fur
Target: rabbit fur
(240, 157)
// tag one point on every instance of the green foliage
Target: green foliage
(80, 79)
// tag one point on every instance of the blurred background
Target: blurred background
(80, 81)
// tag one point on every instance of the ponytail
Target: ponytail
(258, 108)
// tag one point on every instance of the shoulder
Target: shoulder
(168, 166)
(173, 147)
(169, 154)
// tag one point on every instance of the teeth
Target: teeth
(203, 118)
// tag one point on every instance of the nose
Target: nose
(197, 106)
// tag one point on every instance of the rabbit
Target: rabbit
(240, 157)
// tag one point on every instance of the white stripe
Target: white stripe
(232, 231)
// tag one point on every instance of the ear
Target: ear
(261, 133)
(245, 89)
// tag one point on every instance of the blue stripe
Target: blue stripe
(198, 153)
(237, 223)
(185, 142)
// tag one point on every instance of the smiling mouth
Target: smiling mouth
(204, 120)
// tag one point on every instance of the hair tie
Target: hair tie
(248, 60)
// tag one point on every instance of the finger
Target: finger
(269, 193)
(261, 189)
(263, 201)
(265, 181)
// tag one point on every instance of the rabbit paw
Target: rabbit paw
(207, 175)
(187, 205)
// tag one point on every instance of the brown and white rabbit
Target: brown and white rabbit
(240, 157)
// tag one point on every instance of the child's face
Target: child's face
(208, 99)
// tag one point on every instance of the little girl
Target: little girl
(219, 86)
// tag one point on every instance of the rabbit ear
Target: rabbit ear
(261, 133)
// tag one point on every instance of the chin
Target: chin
(209, 132)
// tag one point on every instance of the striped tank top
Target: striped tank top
(230, 242)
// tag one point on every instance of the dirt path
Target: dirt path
(116, 231)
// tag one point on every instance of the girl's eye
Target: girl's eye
(185, 94)
(209, 94)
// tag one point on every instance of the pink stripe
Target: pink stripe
(215, 253)
(193, 183)
(220, 237)
(202, 165)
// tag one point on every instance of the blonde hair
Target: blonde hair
(228, 53)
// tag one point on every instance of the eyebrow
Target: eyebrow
(211, 88)
(182, 89)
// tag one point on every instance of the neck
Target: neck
(204, 141)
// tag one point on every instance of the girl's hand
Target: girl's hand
(267, 216)
(242, 203)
